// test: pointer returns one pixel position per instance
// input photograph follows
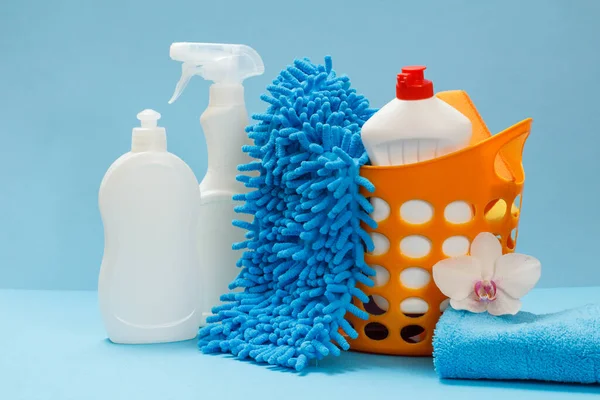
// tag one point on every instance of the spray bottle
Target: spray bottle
(224, 123)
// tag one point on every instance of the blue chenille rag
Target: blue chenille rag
(560, 347)
(304, 253)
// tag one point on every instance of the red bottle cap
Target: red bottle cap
(412, 84)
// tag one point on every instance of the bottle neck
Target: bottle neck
(226, 94)
(148, 139)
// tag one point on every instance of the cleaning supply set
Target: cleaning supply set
(361, 226)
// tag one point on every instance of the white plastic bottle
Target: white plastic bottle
(149, 280)
(224, 123)
(416, 126)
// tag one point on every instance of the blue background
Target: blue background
(73, 75)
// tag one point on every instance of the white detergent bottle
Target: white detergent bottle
(224, 123)
(149, 280)
(416, 126)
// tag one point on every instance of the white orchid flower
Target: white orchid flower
(486, 280)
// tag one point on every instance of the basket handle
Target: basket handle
(509, 145)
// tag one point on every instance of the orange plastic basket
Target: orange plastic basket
(488, 175)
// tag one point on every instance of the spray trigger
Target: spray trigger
(188, 70)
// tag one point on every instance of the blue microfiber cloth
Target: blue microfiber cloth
(560, 347)
(304, 253)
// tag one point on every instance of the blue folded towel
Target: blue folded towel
(560, 347)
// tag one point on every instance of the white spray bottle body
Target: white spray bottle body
(224, 123)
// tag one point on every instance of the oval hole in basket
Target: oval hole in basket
(376, 331)
(495, 210)
(459, 212)
(381, 244)
(515, 210)
(415, 246)
(499, 237)
(415, 277)
(413, 334)
(416, 212)
(382, 275)
(377, 305)
(381, 209)
(414, 307)
(455, 246)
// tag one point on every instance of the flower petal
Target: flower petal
(517, 274)
(456, 277)
(487, 249)
(504, 304)
(471, 303)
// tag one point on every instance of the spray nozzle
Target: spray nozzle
(220, 63)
